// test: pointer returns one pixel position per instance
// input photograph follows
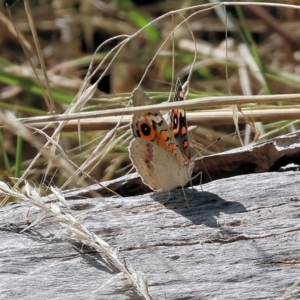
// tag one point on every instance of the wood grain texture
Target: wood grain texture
(265, 156)
(238, 240)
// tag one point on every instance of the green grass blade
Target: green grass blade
(31, 86)
(4, 154)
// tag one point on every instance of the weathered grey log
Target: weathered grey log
(265, 156)
(238, 240)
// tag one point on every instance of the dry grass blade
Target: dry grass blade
(48, 96)
(287, 294)
(12, 30)
(95, 157)
(205, 117)
(196, 103)
(19, 129)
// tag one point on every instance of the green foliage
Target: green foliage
(18, 157)
(32, 86)
(205, 73)
(4, 154)
(141, 20)
(125, 4)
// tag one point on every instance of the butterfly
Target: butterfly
(160, 149)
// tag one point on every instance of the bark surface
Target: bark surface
(238, 239)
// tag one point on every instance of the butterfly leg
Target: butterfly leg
(169, 195)
(200, 182)
(186, 200)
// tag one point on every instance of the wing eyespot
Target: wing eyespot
(145, 129)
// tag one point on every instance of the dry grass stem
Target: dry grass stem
(216, 117)
(197, 103)
(74, 230)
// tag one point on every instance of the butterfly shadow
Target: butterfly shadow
(202, 207)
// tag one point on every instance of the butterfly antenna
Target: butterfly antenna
(200, 173)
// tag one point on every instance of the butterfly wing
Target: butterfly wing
(158, 168)
(178, 122)
(152, 127)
